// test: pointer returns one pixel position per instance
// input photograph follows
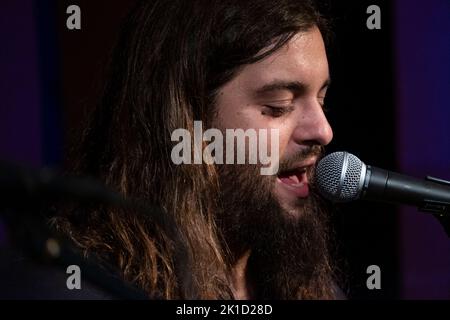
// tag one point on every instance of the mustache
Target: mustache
(288, 163)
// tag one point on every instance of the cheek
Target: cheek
(238, 119)
(232, 116)
(232, 107)
(240, 115)
(284, 138)
(258, 122)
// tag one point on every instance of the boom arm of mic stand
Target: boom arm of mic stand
(440, 210)
(445, 222)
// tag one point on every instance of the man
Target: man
(232, 65)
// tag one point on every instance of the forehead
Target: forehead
(302, 59)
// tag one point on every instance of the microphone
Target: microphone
(342, 177)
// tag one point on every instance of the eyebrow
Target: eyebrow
(296, 87)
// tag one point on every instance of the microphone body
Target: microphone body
(380, 184)
(342, 177)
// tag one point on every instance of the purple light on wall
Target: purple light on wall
(20, 132)
(20, 115)
(423, 138)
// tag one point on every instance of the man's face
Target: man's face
(278, 218)
(284, 91)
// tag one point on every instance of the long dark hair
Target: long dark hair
(171, 58)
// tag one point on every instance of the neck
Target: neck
(239, 280)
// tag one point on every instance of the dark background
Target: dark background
(367, 234)
(388, 105)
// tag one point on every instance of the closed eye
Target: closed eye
(276, 111)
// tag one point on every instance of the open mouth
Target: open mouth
(295, 181)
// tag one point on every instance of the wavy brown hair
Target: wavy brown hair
(170, 60)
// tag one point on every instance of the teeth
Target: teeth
(295, 179)
(297, 185)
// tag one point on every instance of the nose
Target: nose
(312, 126)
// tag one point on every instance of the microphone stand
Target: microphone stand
(439, 209)
(444, 219)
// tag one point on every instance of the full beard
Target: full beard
(289, 257)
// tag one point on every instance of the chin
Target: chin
(292, 209)
(292, 205)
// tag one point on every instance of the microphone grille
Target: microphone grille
(340, 176)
